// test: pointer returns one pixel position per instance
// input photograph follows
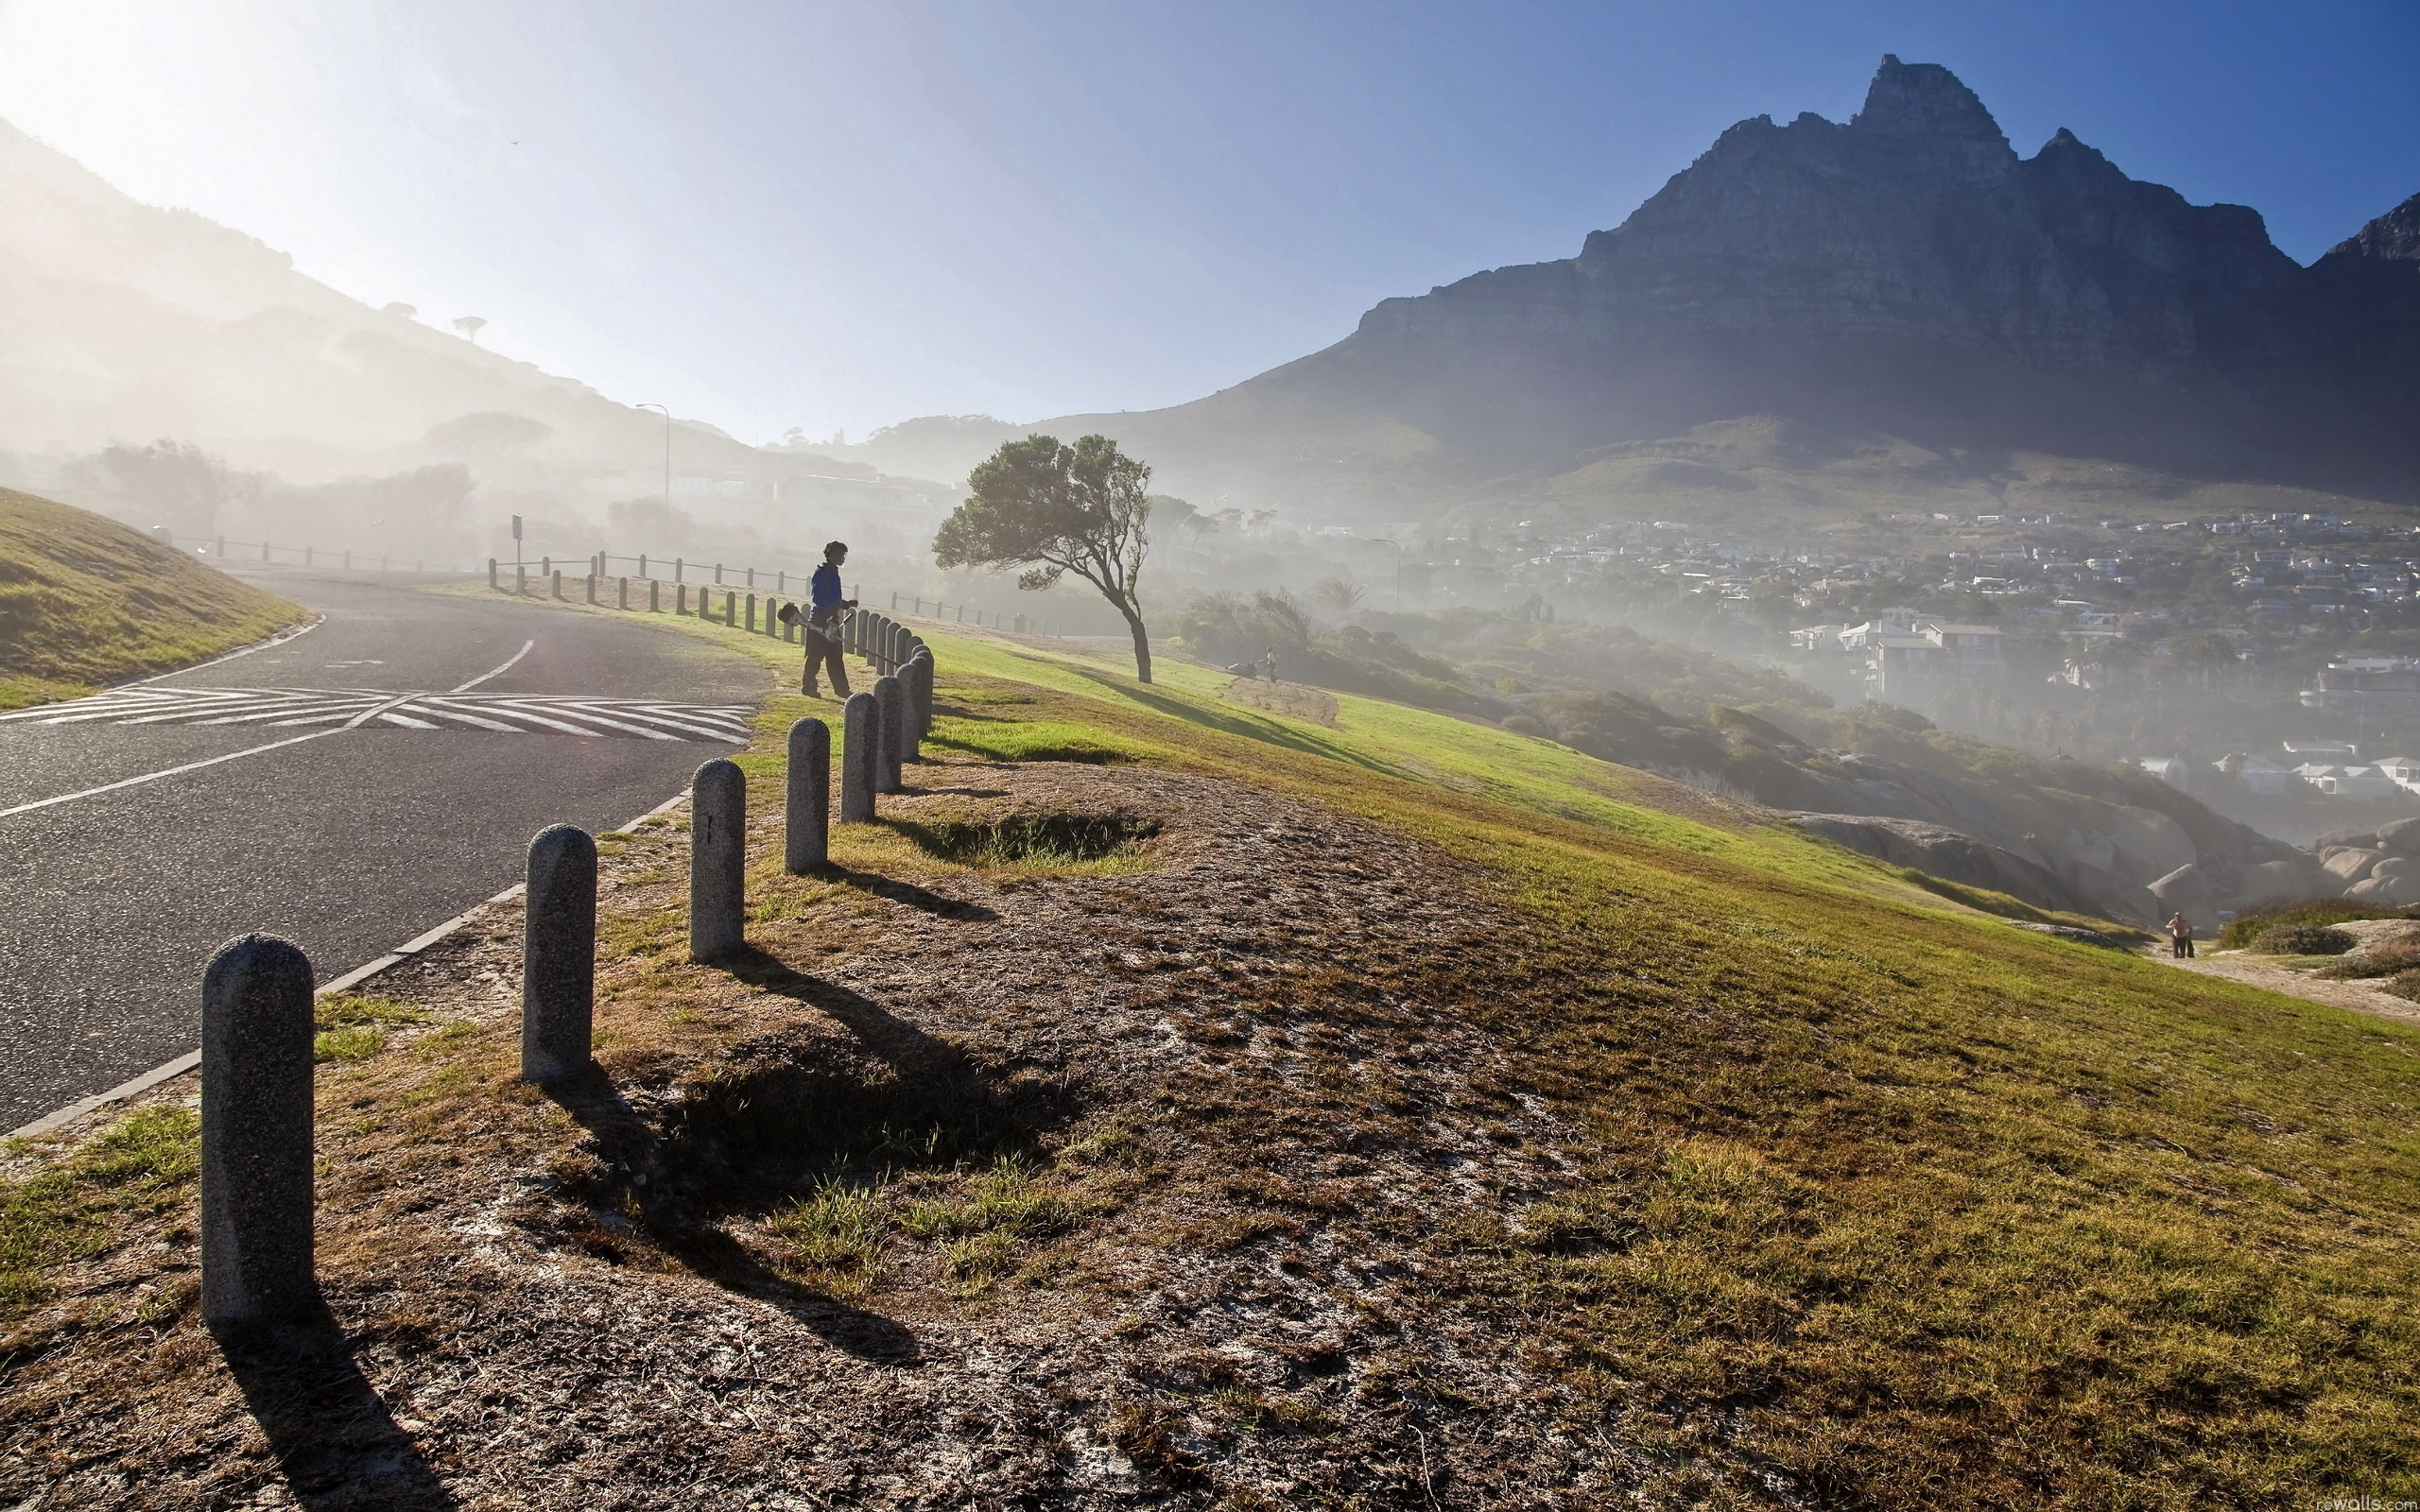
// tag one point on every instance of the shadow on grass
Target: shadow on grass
(1268, 732)
(644, 1168)
(333, 1441)
(922, 899)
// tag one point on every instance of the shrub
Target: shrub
(2242, 930)
(2389, 959)
(2302, 939)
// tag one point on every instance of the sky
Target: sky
(838, 217)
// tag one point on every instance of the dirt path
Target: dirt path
(2253, 971)
(1254, 1084)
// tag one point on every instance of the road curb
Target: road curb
(59, 1118)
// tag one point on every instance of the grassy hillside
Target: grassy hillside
(85, 600)
(1652, 1151)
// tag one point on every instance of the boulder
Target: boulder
(2401, 836)
(2386, 892)
(2186, 891)
(2357, 839)
(2152, 844)
(2351, 866)
(2275, 880)
(2095, 850)
(1947, 853)
(2390, 865)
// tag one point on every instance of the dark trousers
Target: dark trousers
(822, 650)
(2184, 947)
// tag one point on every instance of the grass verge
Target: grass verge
(85, 600)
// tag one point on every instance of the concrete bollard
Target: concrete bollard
(860, 751)
(256, 1042)
(751, 614)
(557, 580)
(891, 714)
(520, 578)
(680, 598)
(491, 582)
(559, 955)
(922, 706)
(718, 860)
(807, 817)
(655, 595)
(622, 593)
(592, 588)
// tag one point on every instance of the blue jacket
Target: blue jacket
(823, 593)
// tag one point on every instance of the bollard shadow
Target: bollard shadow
(333, 1441)
(645, 1184)
(937, 905)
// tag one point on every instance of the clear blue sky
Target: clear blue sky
(770, 214)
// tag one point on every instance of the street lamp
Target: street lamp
(667, 450)
(1381, 541)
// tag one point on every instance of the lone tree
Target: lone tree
(1053, 509)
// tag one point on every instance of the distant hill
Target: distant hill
(1904, 287)
(120, 321)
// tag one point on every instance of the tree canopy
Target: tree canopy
(1052, 508)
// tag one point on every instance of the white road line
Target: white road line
(498, 672)
(153, 777)
(364, 717)
(279, 639)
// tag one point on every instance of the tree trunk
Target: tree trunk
(1142, 643)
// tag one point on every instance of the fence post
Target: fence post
(751, 578)
(860, 751)
(894, 603)
(559, 955)
(730, 608)
(256, 1229)
(718, 574)
(751, 614)
(890, 705)
(642, 564)
(520, 578)
(678, 564)
(621, 593)
(654, 597)
(491, 582)
(806, 817)
(264, 551)
(680, 598)
(718, 859)
(592, 588)
(556, 583)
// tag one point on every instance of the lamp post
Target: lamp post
(667, 449)
(1381, 541)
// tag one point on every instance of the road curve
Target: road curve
(335, 789)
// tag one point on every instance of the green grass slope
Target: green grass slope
(1903, 1203)
(1881, 1202)
(85, 600)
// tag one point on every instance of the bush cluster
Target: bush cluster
(2302, 939)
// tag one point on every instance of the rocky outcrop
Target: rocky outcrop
(1906, 272)
(1950, 855)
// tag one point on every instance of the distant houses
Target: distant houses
(1910, 656)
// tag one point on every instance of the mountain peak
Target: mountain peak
(1924, 99)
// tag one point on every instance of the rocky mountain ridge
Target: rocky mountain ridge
(1906, 273)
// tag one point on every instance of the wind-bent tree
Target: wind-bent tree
(1053, 509)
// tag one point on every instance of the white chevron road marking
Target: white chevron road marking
(301, 708)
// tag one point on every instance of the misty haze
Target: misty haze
(801, 760)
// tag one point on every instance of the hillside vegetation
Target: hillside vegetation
(1174, 1103)
(85, 600)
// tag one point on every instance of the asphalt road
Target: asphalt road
(394, 804)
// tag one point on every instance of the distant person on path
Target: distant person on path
(2180, 936)
(1269, 662)
(824, 607)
